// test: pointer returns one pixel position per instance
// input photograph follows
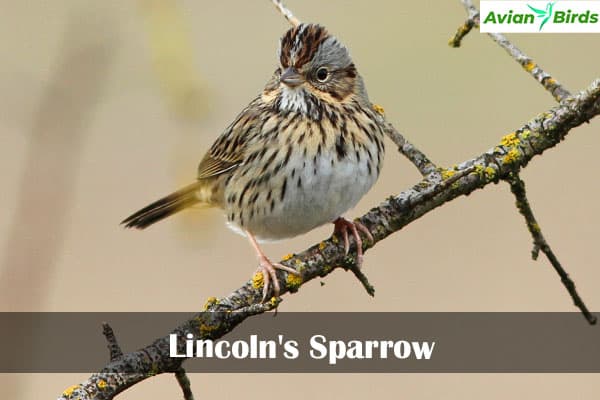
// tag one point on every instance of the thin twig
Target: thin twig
(113, 346)
(362, 278)
(517, 186)
(409, 150)
(184, 383)
(558, 91)
(464, 29)
(286, 13)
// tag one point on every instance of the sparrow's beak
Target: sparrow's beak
(291, 77)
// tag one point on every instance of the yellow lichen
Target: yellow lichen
(205, 329)
(529, 66)
(510, 140)
(258, 280)
(293, 281)
(69, 391)
(287, 256)
(551, 81)
(335, 239)
(490, 173)
(525, 134)
(322, 246)
(535, 227)
(102, 384)
(487, 173)
(211, 301)
(378, 109)
(447, 173)
(512, 156)
(273, 301)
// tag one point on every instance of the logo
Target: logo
(540, 16)
(544, 14)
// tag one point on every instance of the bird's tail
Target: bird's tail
(160, 209)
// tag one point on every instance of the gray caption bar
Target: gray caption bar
(314, 342)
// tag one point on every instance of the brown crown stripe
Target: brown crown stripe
(303, 41)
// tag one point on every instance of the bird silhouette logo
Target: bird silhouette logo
(544, 14)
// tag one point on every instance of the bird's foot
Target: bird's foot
(342, 225)
(268, 270)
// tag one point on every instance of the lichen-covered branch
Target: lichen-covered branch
(558, 91)
(514, 152)
(471, 22)
(517, 186)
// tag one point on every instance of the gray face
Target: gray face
(314, 63)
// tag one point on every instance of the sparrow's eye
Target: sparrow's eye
(322, 74)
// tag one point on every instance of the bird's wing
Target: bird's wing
(539, 12)
(228, 151)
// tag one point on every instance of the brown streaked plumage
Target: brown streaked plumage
(298, 156)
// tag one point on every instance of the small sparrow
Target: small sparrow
(301, 154)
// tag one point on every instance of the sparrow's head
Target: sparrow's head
(314, 63)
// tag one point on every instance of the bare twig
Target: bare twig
(286, 13)
(113, 346)
(558, 91)
(517, 186)
(410, 151)
(184, 383)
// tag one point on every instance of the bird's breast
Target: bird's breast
(304, 178)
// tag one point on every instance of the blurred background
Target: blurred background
(108, 105)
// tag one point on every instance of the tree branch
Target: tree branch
(517, 186)
(545, 79)
(184, 383)
(409, 150)
(113, 346)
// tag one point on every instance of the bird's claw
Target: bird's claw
(342, 225)
(268, 270)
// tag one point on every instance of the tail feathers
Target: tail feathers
(163, 208)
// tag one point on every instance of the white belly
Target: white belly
(315, 195)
